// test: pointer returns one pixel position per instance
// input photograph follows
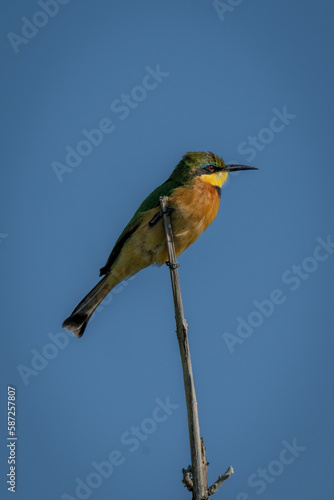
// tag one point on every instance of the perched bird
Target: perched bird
(193, 190)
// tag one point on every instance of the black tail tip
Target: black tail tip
(76, 323)
(103, 271)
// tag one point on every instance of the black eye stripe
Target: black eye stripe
(207, 169)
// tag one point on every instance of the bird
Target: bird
(194, 191)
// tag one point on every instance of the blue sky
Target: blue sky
(105, 416)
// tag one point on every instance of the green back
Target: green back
(152, 201)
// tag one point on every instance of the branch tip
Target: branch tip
(221, 479)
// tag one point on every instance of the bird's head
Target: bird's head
(208, 166)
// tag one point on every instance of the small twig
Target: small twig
(188, 482)
(221, 479)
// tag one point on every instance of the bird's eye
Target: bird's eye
(210, 168)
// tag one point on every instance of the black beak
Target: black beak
(235, 168)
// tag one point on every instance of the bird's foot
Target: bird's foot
(159, 216)
(172, 265)
(168, 210)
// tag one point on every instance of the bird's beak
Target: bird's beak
(235, 168)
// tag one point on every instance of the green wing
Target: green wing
(152, 201)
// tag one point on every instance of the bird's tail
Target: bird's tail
(79, 318)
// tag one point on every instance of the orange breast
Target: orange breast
(195, 208)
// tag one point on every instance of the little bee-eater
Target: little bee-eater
(193, 190)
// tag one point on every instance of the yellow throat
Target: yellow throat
(217, 179)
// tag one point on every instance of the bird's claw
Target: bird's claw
(172, 265)
(159, 216)
(168, 210)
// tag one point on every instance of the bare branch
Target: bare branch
(195, 476)
(221, 479)
(199, 488)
